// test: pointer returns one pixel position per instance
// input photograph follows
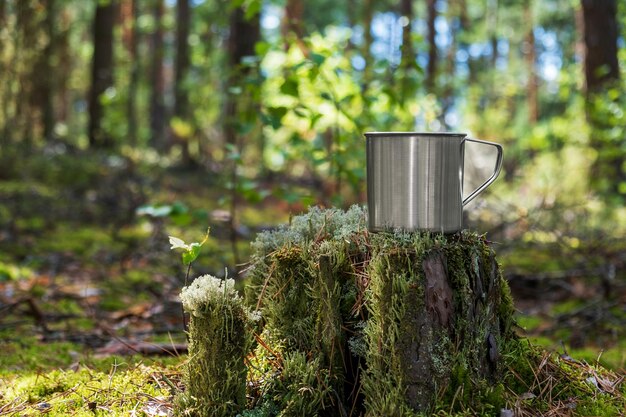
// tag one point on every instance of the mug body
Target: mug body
(414, 181)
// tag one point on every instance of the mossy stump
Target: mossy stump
(219, 341)
(377, 325)
(395, 321)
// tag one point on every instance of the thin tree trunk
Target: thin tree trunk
(181, 95)
(101, 71)
(26, 78)
(48, 82)
(157, 80)
(292, 22)
(407, 51)
(431, 69)
(448, 95)
(368, 15)
(492, 24)
(530, 56)
(65, 67)
(133, 82)
(244, 33)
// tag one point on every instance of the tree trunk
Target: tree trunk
(133, 83)
(431, 69)
(407, 51)
(244, 34)
(608, 172)
(101, 71)
(48, 82)
(368, 15)
(65, 67)
(530, 56)
(448, 94)
(157, 80)
(181, 94)
(492, 25)
(26, 55)
(292, 22)
(601, 33)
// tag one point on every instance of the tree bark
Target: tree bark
(407, 51)
(48, 82)
(27, 80)
(530, 56)
(101, 71)
(181, 94)
(601, 33)
(244, 34)
(448, 94)
(368, 15)
(431, 69)
(292, 21)
(133, 82)
(492, 25)
(608, 172)
(65, 67)
(157, 80)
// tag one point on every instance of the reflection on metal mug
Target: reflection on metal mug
(415, 180)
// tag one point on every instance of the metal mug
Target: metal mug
(415, 180)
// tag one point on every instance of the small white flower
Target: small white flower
(254, 315)
(178, 243)
(206, 290)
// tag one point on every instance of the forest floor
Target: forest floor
(90, 320)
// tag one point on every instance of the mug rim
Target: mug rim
(408, 134)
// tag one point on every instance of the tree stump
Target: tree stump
(391, 324)
(394, 321)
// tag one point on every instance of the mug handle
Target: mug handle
(496, 171)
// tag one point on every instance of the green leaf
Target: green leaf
(254, 7)
(261, 48)
(193, 252)
(275, 116)
(317, 59)
(326, 96)
(290, 87)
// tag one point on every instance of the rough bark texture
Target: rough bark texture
(439, 310)
(101, 70)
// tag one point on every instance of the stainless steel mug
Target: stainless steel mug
(415, 180)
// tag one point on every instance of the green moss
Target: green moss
(119, 390)
(219, 341)
(528, 323)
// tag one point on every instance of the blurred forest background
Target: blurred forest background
(125, 121)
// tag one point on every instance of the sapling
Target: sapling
(190, 254)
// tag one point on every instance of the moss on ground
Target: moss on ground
(121, 390)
